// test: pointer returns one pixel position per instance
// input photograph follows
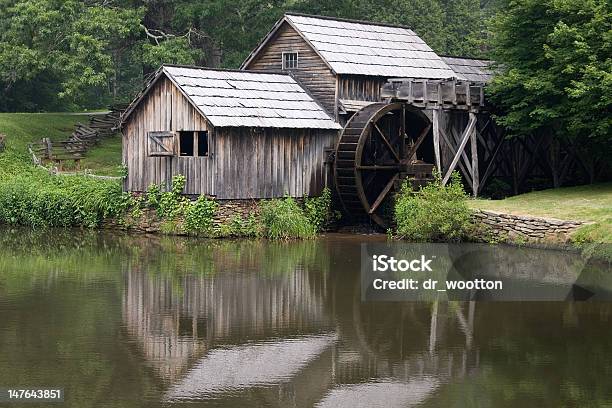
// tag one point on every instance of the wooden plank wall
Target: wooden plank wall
(242, 163)
(312, 72)
(164, 108)
(360, 87)
(270, 163)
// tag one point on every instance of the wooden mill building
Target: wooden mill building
(232, 134)
(320, 101)
(345, 63)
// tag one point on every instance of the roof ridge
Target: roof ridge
(242, 71)
(467, 58)
(346, 20)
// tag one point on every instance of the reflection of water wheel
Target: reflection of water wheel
(376, 151)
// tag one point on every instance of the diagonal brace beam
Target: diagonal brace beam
(464, 139)
(422, 136)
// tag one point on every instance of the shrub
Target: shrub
(284, 219)
(168, 204)
(433, 213)
(241, 227)
(153, 196)
(319, 211)
(497, 189)
(30, 196)
(199, 215)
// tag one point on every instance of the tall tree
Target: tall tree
(554, 60)
(66, 42)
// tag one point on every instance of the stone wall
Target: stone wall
(509, 227)
(150, 223)
(231, 208)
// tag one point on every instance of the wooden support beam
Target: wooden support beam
(435, 114)
(531, 159)
(383, 194)
(466, 171)
(403, 135)
(492, 162)
(381, 167)
(465, 161)
(418, 142)
(387, 143)
(464, 139)
(474, 149)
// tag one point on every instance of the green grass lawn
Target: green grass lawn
(24, 128)
(583, 203)
(104, 159)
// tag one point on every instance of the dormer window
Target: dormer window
(290, 60)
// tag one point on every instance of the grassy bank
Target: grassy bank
(24, 128)
(30, 195)
(592, 203)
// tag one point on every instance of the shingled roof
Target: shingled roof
(470, 69)
(241, 98)
(363, 48)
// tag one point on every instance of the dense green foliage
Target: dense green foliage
(74, 54)
(433, 213)
(199, 215)
(284, 219)
(178, 212)
(319, 210)
(241, 227)
(31, 196)
(555, 63)
(53, 53)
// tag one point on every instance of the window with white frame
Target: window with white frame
(290, 60)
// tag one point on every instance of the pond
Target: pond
(139, 321)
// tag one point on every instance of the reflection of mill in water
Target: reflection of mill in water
(297, 339)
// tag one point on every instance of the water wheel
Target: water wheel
(376, 151)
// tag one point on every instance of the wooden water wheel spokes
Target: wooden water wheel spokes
(374, 154)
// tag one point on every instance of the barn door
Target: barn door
(162, 143)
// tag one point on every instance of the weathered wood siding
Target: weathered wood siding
(270, 163)
(312, 71)
(164, 108)
(242, 162)
(360, 87)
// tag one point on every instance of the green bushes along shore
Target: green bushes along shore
(433, 213)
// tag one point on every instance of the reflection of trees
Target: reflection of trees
(31, 257)
(63, 334)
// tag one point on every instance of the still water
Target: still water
(120, 321)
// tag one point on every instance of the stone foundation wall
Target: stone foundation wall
(511, 227)
(231, 208)
(227, 209)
